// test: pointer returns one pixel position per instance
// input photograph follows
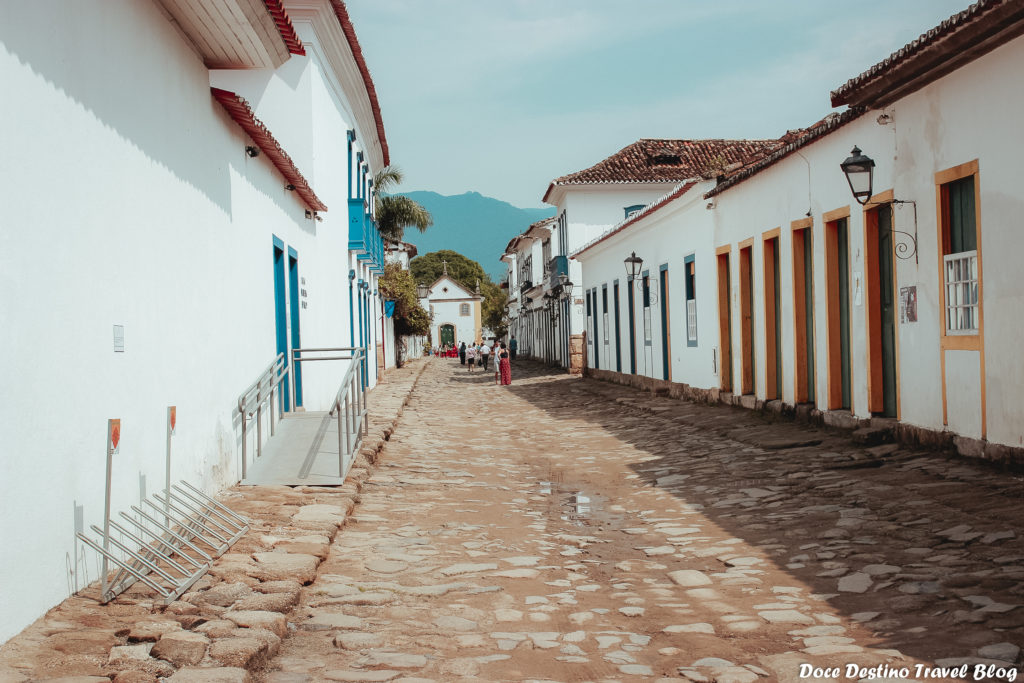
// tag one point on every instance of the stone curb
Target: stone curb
(907, 435)
(232, 622)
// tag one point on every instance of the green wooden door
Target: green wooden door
(777, 311)
(844, 308)
(447, 334)
(809, 312)
(887, 310)
(663, 295)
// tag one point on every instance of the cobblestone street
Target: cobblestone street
(572, 530)
(566, 529)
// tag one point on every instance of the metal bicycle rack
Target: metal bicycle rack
(193, 531)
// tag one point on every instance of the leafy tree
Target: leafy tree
(428, 268)
(494, 309)
(409, 317)
(396, 212)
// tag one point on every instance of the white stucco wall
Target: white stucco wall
(590, 211)
(445, 301)
(957, 119)
(137, 206)
(960, 118)
(952, 121)
(810, 181)
(664, 237)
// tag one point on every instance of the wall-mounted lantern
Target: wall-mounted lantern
(860, 170)
(634, 264)
(566, 286)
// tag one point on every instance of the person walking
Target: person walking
(497, 360)
(505, 365)
(470, 357)
(485, 355)
(512, 346)
(462, 353)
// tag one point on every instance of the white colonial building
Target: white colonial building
(589, 202)
(183, 199)
(896, 308)
(405, 347)
(455, 313)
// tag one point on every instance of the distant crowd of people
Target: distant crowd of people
(478, 355)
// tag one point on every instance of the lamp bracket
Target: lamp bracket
(904, 247)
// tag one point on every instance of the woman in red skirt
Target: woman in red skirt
(504, 366)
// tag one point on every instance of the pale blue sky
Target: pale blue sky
(502, 96)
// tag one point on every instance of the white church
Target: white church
(455, 312)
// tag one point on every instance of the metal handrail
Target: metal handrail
(294, 357)
(349, 404)
(351, 410)
(252, 399)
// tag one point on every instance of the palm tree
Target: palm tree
(395, 213)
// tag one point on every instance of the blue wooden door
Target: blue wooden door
(281, 310)
(666, 367)
(293, 299)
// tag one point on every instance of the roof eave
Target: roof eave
(656, 206)
(767, 162)
(242, 114)
(371, 92)
(952, 47)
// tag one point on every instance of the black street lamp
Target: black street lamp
(859, 169)
(422, 291)
(566, 286)
(634, 264)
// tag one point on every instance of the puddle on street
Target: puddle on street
(579, 507)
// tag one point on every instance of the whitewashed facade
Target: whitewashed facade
(590, 202)
(671, 337)
(530, 316)
(583, 212)
(154, 255)
(406, 346)
(455, 313)
(902, 311)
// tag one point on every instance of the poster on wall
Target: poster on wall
(908, 304)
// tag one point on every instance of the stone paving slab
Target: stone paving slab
(564, 529)
(232, 622)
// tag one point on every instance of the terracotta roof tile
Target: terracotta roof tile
(959, 39)
(792, 141)
(357, 52)
(243, 115)
(285, 27)
(663, 201)
(668, 161)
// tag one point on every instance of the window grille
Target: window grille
(691, 319)
(463, 309)
(961, 281)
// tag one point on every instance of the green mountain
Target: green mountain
(476, 226)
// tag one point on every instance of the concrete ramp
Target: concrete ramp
(302, 452)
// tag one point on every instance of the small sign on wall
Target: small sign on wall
(908, 304)
(113, 436)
